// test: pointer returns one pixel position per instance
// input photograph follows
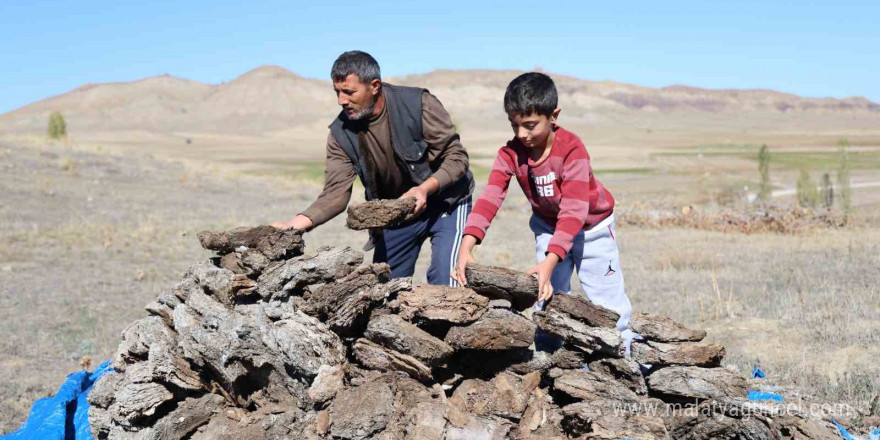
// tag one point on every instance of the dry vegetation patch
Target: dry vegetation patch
(743, 219)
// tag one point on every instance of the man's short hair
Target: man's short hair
(362, 64)
(531, 92)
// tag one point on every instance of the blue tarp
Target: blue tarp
(758, 373)
(65, 416)
(760, 396)
(873, 435)
(763, 396)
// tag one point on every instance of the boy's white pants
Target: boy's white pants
(594, 254)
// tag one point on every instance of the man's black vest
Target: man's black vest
(404, 107)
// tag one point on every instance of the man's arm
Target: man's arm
(444, 144)
(339, 175)
(444, 148)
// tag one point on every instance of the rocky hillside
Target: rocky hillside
(272, 100)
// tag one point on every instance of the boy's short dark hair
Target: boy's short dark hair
(531, 92)
(357, 62)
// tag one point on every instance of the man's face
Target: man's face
(532, 130)
(356, 98)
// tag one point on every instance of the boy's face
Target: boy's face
(532, 130)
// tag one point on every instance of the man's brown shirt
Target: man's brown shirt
(444, 148)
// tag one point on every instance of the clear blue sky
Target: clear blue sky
(811, 48)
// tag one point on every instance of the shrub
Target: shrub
(827, 191)
(807, 194)
(57, 127)
(843, 175)
(764, 169)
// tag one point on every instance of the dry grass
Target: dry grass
(805, 306)
(742, 219)
(82, 252)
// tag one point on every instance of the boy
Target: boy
(572, 213)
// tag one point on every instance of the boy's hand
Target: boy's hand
(543, 272)
(458, 274)
(465, 257)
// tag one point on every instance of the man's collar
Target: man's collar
(380, 101)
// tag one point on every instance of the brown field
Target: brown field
(91, 234)
(94, 227)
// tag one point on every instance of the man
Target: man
(401, 142)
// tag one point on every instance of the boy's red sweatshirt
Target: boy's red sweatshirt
(561, 190)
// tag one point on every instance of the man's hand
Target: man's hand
(543, 272)
(421, 194)
(465, 257)
(421, 199)
(298, 222)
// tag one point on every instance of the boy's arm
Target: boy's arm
(465, 257)
(573, 210)
(339, 176)
(543, 271)
(483, 213)
(492, 197)
(575, 204)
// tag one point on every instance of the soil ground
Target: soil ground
(89, 236)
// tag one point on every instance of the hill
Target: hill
(271, 101)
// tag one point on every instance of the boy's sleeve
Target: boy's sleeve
(575, 204)
(339, 175)
(491, 198)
